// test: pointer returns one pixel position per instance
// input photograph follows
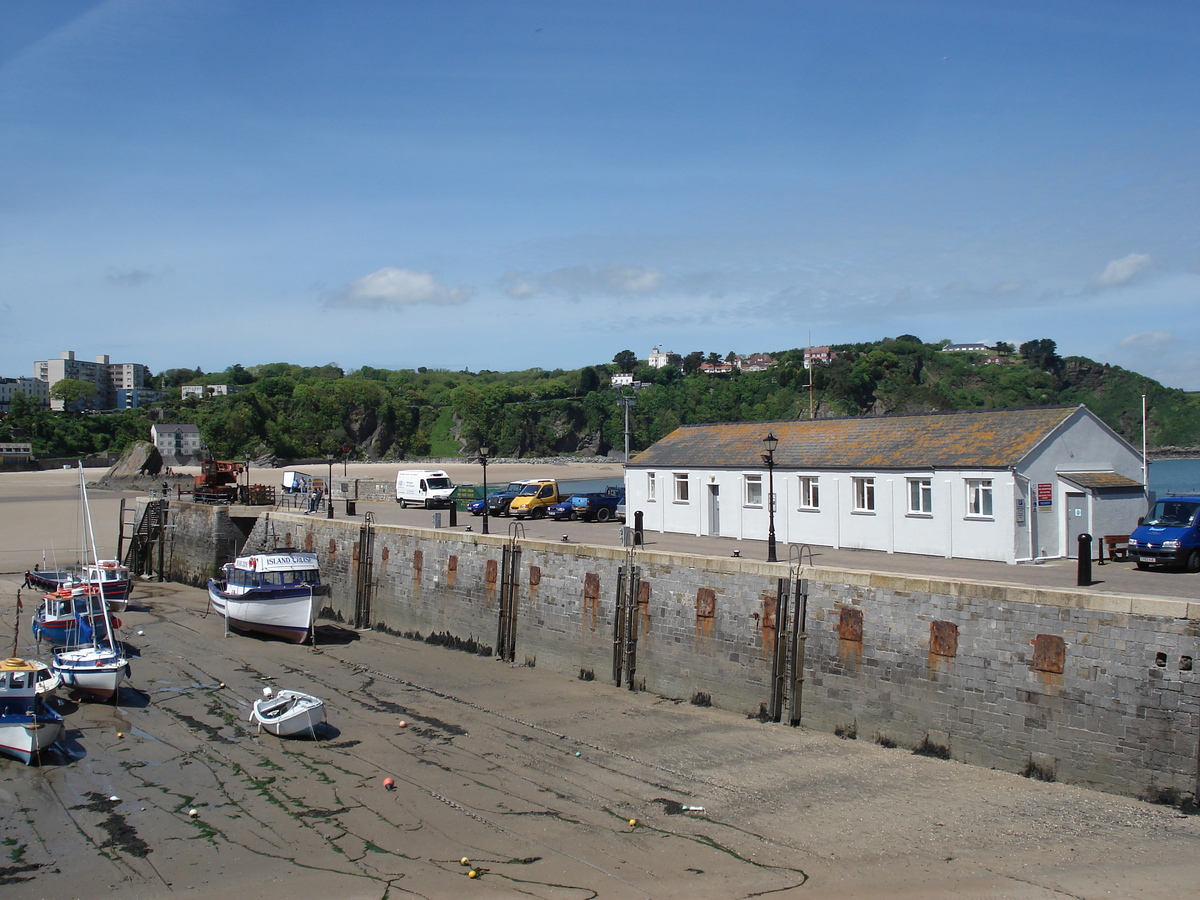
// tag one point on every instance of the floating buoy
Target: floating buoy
(120, 734)
(472, 874)
(389, 783)
(222, 684)
(403, 724)
(577, 753)
(114, 799)
(633, 823)
(193, 812)
(464, 861)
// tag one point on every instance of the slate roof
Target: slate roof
(991, 438)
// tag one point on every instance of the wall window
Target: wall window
(651, 487)
(810, 496)
(920, 496)
(681, 487)
(979, 497)
(864, 494)
(754, 491)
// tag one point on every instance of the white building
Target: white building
(1006, 485)
(177, 441)
(209, 390)
(108, 377)
(659, 359)
(36, 390)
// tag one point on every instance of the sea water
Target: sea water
(1175, 476)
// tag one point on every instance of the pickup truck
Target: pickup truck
(601, 506)
(497, 501)
(1169, 535)
(538, 495)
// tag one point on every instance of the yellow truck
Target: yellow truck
(535, 498)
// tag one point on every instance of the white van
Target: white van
(429, 487)
(297, 483)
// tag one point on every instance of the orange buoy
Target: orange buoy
(389, 783)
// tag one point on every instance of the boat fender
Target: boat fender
(116, 622)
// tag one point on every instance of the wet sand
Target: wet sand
(532, 775)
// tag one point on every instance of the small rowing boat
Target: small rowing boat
(288, 713)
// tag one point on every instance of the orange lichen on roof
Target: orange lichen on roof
(995, 438)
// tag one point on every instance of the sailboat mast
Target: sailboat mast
(91, 542)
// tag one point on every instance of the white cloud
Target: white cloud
(397, 288)
(1122, 271)
(128, 277)
(575, 280)
(1150, 342)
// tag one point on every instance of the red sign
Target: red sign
(1045, 494)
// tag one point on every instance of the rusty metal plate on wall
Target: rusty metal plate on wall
(943, 638)
(706, 603)
(850, 624)
(1049, 653)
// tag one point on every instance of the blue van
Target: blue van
(1170, 535)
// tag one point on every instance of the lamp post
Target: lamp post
(770, 442)
(329, 491)
(483, 456)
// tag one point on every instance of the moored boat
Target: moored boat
(288, 713)
(71, 615)
(27, 725)
(108, 575)
(269, 593)
(98, 669)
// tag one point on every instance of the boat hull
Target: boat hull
(27, 725)
(97, 672)
(116, 592)
(289, 713)
(284, 613)
(25, 736)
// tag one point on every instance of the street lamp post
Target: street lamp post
(483, 457)
(770, 442)
(329, 491)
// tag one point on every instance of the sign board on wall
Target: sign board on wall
(1020, 511)
(1045, 497)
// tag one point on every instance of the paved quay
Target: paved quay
(1111, 578)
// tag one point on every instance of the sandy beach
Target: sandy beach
(551, 787)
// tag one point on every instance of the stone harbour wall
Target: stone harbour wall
(1093, 689)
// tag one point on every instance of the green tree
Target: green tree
(72, 392)
(625, 361)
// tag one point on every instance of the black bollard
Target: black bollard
(1085, 560)
(453, 513)
(639, 539)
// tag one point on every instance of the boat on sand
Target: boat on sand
(288, 713)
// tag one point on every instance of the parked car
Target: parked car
(601, 506)
(1169, 535)
(562, 512)
(497, 501)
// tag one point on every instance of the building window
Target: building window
(920, 496)
(754, 491)
(810, 494)
(979, 497)
(651, 487)
(681, 487)
(864, 495)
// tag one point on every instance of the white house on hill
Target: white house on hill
(1009, 485)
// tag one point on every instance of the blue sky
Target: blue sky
(503, 184)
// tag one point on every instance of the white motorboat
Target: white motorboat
(27, 725)
(269, 593)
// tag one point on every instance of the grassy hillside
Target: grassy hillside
(288, 411)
